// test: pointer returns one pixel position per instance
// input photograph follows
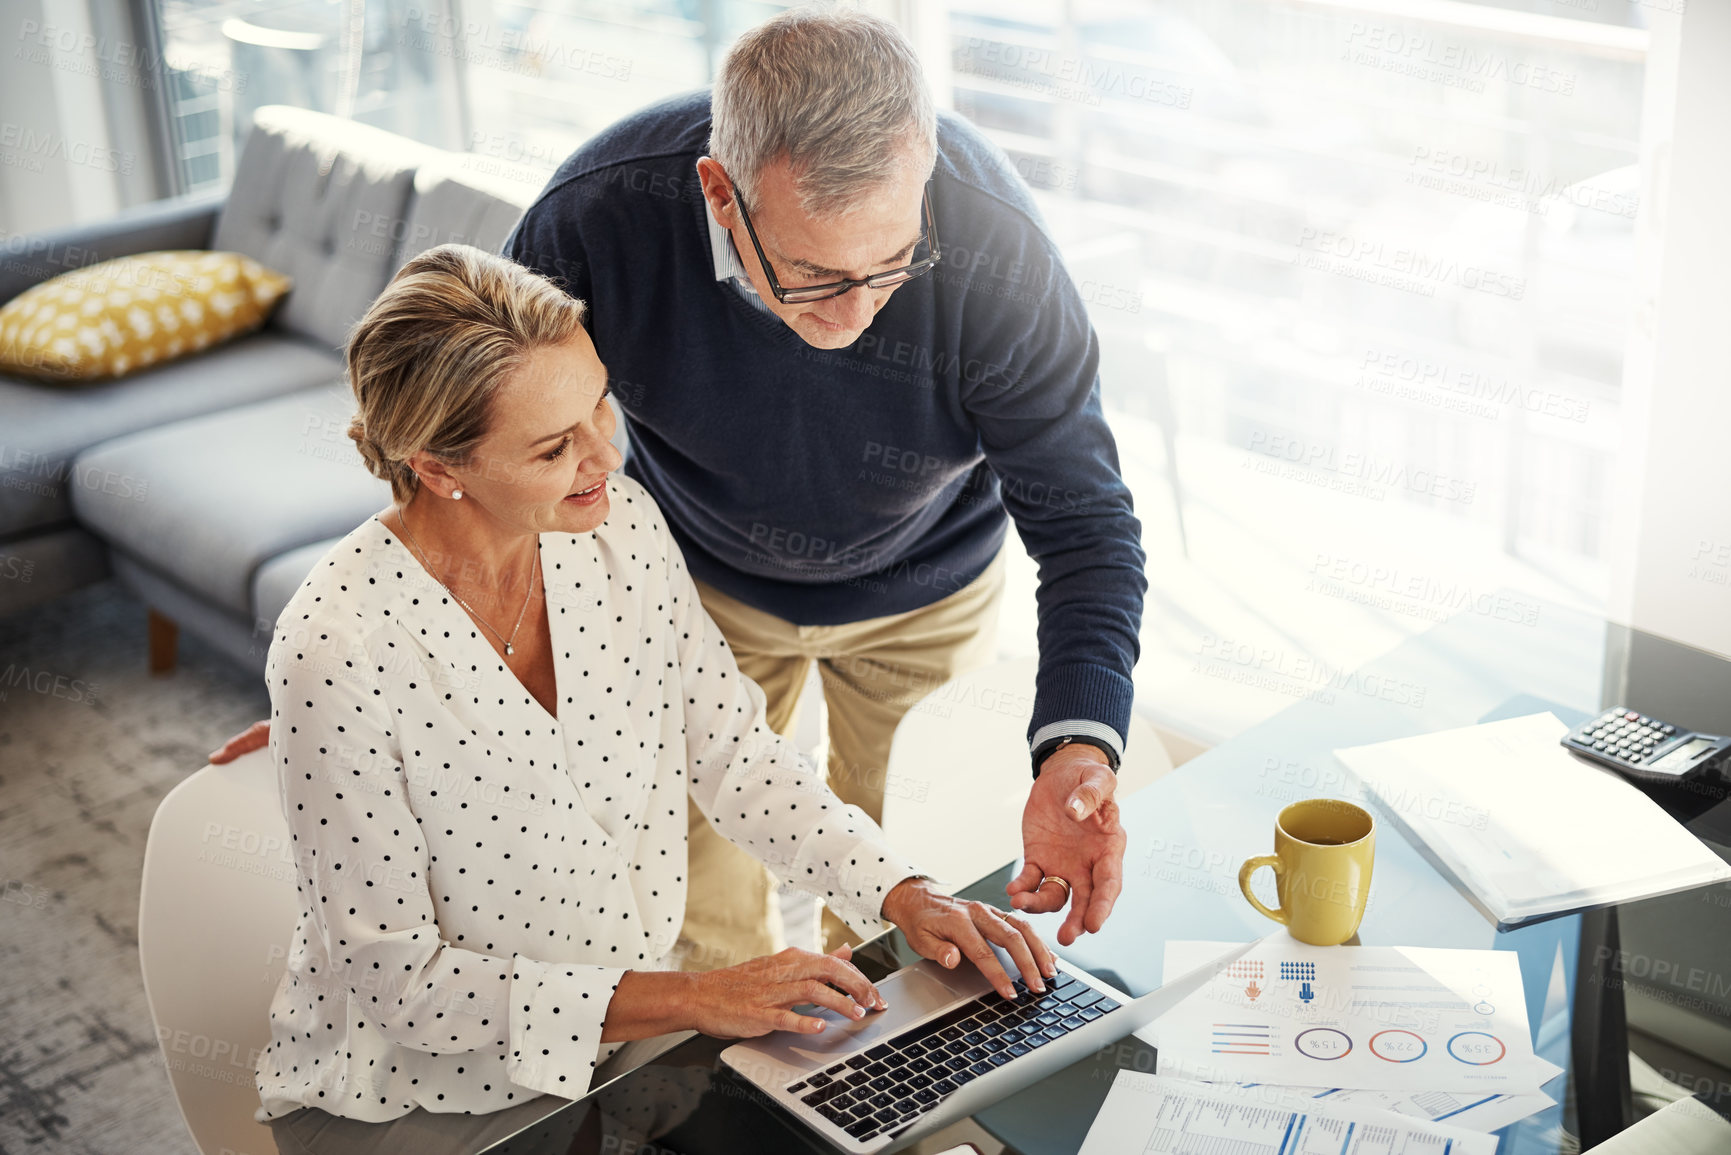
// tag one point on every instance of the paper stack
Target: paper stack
(1429, 1034)
(1529, 829)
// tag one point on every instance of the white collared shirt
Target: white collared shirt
(477, 875)
(729, 266)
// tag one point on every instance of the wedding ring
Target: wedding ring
(1056, 879)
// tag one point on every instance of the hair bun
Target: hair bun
(372, 456)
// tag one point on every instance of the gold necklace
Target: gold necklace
(534, 576)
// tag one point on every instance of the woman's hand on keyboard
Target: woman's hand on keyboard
(757, 997)
(947, 929)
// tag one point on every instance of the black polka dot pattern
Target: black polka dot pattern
(475, 874)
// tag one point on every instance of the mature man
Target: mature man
(844, 346)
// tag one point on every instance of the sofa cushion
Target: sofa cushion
(120, 316)
(227, 492)
(466, 200)
(278, 580)
(322, 200)
(46, 427)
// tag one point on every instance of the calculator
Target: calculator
(1633, 743)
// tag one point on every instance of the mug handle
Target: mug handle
(1249, 868)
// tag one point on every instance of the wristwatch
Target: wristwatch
(1045, 749)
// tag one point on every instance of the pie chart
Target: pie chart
(1324, 1043)
(1477, 1048)
(1396, 1046)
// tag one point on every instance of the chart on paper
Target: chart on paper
(1471, 1112)
(1196, 1126)
(1375, 1018)
(1163, 1116)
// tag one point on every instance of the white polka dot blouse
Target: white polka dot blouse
(476, 875)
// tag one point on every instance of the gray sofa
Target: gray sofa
(210, 485)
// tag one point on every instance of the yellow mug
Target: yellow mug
(1323, 851)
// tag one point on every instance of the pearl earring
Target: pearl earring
(456, 495)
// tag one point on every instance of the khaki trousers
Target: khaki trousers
(873, 672)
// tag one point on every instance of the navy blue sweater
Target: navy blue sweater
(834, 486)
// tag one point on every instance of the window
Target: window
(1361, 280)
(523, 83)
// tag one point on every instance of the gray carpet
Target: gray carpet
(89, 744)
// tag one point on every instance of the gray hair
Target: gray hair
(838, 93)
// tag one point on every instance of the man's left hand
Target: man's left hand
(1070, 830)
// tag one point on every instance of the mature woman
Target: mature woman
(490, 705)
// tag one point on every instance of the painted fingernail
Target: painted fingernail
(857, 1011)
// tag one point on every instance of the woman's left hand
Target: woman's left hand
(945, 929)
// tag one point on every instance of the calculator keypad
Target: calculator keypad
(1625, 735)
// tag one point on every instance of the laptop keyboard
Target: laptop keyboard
(884, 1090)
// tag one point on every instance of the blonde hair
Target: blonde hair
(429, 355)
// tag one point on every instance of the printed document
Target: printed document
(1410, 1019)
(1156, 1114)
(1472, 1112)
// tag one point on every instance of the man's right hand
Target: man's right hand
(254, 737)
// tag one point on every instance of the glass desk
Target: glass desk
(1188, 833)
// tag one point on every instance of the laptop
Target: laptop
(948, 1046)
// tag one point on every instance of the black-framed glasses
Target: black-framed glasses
(801, 294)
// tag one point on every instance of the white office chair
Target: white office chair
(958, 772)
(215, 917)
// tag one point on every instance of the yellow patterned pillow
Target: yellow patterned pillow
(111, 319)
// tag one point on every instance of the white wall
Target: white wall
(1673, 540)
